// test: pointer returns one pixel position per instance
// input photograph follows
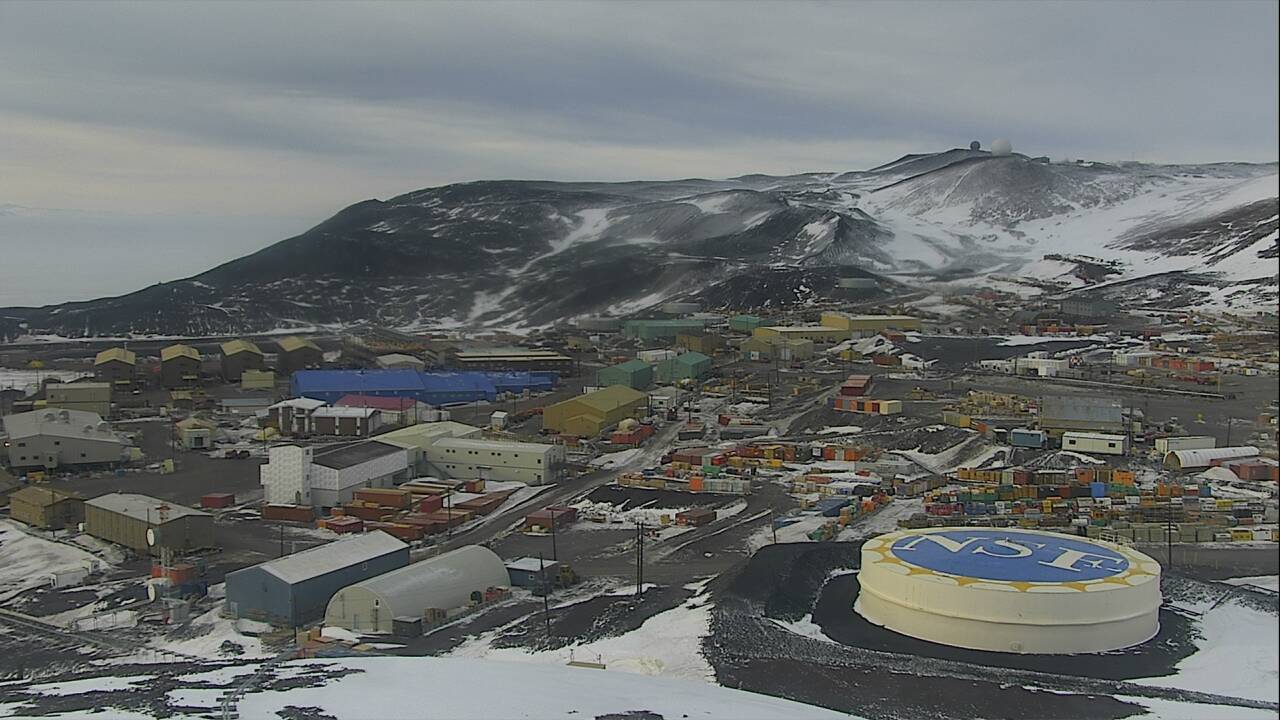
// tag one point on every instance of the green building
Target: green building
(635, 374)
(660, 329)
(745, 323)
(689, 366)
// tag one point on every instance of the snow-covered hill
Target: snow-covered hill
(528, 254)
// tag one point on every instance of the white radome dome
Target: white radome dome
(1001, 147)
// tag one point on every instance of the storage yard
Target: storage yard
(567, 498)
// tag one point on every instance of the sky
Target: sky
(213, 129)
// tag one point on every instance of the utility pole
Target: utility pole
(281, 540)
(546, 592)
(773, 526)
(1229, 419)
(555, 557)
(639, 557)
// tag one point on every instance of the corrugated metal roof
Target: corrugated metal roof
(424, 434)
(445, 581)
(60, 422)
(1205, 457)
(361, 452)
(291, 343)
(333, 556)
(177, 351)
(117, 354)
(607, 399)
(231, 347)
(1081, 409)
(143, 507)
(41, 496)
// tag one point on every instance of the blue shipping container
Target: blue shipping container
(1098, 489)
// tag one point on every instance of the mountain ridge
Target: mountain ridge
(522, 254)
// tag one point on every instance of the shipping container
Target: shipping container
(217, 500)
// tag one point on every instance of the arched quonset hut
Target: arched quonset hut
(444, 582)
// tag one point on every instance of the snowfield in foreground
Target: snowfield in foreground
(461, 689)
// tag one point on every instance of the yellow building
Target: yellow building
(867, 324)
(588, 415)
(117, 366)
(814, 333)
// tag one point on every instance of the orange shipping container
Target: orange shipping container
(695, 483)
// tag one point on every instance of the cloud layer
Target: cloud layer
(297, 109)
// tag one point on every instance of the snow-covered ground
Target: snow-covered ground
(613, 460)
(668, 644)
(1238, 654)
(27, 561)
(1266, 582)
(467, 689)
(14, 378)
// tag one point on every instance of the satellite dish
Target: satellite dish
(1001, 147)
(975, 145)
(151, 537)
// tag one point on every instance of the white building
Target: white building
(664, 398)
(60, 438)
(456, 450)
(443, 583)
(296, 475)
(504, 460)
(1096, 443)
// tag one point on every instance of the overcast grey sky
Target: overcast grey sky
(290, 111)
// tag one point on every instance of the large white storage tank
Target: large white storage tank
(1010, 590)
(445, 582)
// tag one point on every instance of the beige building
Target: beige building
(864, 325)
(258, 380)
(147, 524)
(588, 415)
(89, 397)
(195, 434)
(708, 344)
(46, 508)
(813, 333)
(179, 366)
(502, 460)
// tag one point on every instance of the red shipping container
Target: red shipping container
(371, 514)
(343, 525)
(217, 500)
(431, 503)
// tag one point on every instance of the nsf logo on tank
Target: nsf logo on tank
(1009, 555)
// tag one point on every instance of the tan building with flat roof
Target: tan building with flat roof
(46, 508)
(89, 397)
(814, 333)
(870, 324)
(147, 524)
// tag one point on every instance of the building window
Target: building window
(22, 444)
(57, 442)
(82, 455)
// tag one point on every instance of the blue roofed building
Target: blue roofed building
(434, 388)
